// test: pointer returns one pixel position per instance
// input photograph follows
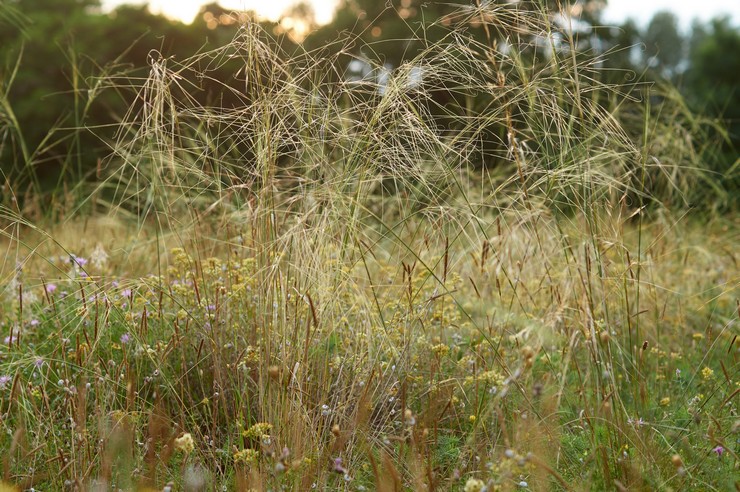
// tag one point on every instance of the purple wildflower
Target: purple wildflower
(4, 380)
(79, 260)
(125, 338)
(38, 363)
(338, 466)
(719, 450)
(50, 288)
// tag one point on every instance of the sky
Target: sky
(617, 10)
(185, 10)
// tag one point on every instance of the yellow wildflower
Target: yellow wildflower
(185, 443)
(474, 485)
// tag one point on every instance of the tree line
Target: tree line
(68, 70)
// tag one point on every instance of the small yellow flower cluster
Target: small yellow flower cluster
(474, 485)
(258, 431)
(440, 350)
(181, 290)
(185, 443)
(707, 373)
(246, 456)
(489, 377)
(181, 259)
(212, 267)
(252, 354)
(660, 353)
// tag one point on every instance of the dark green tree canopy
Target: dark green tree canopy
(664, 45)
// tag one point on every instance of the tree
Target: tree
(64, 50)
(711, 85)
(664, 44)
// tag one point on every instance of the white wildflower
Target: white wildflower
(99, 257)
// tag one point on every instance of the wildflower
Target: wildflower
(696, 400)
(4, 380)
(409, 417)
(707, 373)
(474, 485)
(50, 288)
(38, 363)
(99, 257)
(440, 350)
(258, 431)
(338, 468)
(246, 456)
(14, 334)
(125, 338)
(79, 261)
(719, 450)
(664, 402)
(185, 443)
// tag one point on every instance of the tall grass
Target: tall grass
(440, 284)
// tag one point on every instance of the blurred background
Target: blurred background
(67, 65)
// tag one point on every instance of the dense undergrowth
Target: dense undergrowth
(357, 286)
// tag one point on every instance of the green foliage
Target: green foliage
(711, 87)
(69, 80)
(664, 44)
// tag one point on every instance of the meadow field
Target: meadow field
(495, 276)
